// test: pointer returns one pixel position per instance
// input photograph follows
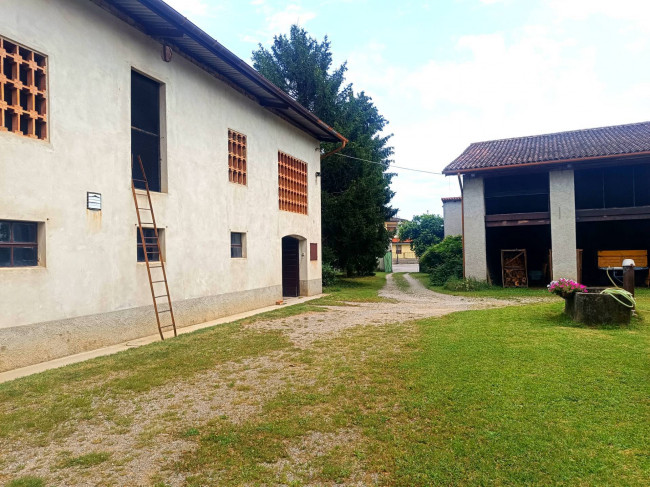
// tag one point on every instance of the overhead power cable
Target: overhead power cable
(390, 164)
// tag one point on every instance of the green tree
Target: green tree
(424, 231)
(356, 195)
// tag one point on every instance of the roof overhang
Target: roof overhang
(160, 21)
(546, 163)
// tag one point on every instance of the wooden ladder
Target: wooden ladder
(160, 263)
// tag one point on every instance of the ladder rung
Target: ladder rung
(161, 296)
(154, 282)
(148, 209)
(167, 326)
(165, 311)
(140, 180)
(154, 266)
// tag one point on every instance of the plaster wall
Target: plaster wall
(88, 265)
(563, 224)
(452, 215)
(474, 237)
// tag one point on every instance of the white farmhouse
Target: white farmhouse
(233, 164)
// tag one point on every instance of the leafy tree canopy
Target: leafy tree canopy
(424, 231)
(356, 195)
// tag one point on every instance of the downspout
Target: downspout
(462, 219)
(344, 142)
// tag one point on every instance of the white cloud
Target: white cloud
(281, 21)
(635, 11)
(277, 21)
(529, 80)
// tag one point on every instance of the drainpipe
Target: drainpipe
(344, 142)
(462, 219)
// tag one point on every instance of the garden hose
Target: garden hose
(620, 295)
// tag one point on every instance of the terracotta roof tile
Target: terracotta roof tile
(576, 144)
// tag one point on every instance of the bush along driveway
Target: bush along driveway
(363, 387)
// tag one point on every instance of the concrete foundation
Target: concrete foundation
(39, 342)
(312, 287)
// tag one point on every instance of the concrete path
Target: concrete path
(406, 267)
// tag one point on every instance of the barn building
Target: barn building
(232, 164)
(568, 204)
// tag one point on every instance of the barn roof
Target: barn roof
(575, 145)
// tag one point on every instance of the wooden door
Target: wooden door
(290, 267)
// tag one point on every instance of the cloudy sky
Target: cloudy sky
(446, 73)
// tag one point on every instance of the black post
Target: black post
(628, 278)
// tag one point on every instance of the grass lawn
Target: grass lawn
(354, 290)
(400, 281)
(494, 292)
(507, 396)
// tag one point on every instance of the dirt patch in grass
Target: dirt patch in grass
(269, 392)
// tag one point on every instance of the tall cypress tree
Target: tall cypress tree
(356, 195)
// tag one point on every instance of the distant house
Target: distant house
(402, 253)
(452, 215)
(400, 249)
(558, 205)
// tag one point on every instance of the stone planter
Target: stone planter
(593, 308)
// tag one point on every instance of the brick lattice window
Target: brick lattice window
(236, 157)
(23, 85)
(292, 182)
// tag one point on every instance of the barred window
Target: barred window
(23, 90)
(292, 183)
(18, 244)
(150, 244)
(236, 157)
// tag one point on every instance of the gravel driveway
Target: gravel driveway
(145, 445)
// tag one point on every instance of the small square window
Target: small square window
(151, 244)
(237, 245)
(18, 244)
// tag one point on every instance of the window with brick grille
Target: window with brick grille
(23, 90)
(236, 157)
(292, 183)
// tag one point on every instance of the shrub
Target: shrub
(443, 260)
(329, 275)
(444, 272)
(467, 284)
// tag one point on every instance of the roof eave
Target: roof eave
(454, 172)
(282, 103)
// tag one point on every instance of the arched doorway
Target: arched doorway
(290, 267)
